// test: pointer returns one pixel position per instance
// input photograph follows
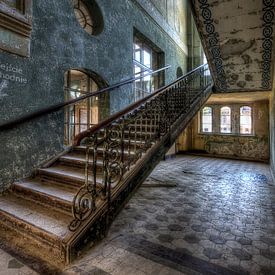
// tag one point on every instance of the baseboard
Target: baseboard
(222, 156)
(170, 156)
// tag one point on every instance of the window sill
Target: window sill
(225, 134)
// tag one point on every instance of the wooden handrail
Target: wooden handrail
(128, 109)
(12, 123)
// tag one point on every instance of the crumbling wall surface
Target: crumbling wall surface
(58, 44)
(250, 147)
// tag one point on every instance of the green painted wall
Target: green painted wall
(58, 44)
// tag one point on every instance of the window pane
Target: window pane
(137, 52)
(137, 70)
(11, 3)
(225, 120)
(207, 120)
(245, 120)
(147, 58)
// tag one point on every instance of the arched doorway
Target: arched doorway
(88, 112)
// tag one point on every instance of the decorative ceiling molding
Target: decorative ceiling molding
(238, 41)
(213, 44)
(268, 22)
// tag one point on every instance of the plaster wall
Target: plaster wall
(58, 44)
(250, 147)
(272, 130)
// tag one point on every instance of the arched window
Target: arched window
(225, 120)
(83, 16)
(89, 16)
(206, 126)
(245, 120)
(88, 112)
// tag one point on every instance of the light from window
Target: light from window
(245, 120)
(207, 120)
(142, 65)
(225, 120)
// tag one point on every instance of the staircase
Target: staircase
(74, 198)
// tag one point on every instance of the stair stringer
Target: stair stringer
(96, 226)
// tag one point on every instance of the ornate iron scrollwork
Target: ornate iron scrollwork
(115, 148)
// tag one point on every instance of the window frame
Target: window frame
(251, 116)
(156, 60)
(18, 23)
(220, 122)
(235, 119)
(201, 120)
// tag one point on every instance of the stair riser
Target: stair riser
(8, 221)
(70, 182)
(32, 247)
(79, 164)
(42, 199)
(129, 149)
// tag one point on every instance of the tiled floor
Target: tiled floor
(194, 215)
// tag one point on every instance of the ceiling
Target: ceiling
(237, 36)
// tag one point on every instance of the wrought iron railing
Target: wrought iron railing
(9, 124)
(116, 145)
(90, 111)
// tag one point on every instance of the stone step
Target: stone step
(42, 223)
(68, 175)
(79, 160)
(53, 195)
(81, 149)
(35, 230)
(133, 131)
(129, 146)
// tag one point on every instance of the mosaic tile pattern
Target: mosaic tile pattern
(12, 266)
(214, 217)
(221, 214)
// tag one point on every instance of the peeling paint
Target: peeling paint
(235, 47)
(241, 84)
(246, 58)
(245, 32)
(248, 77)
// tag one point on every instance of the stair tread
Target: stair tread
(78, 158)
(67, 171)
(82, 148)
(55, 191)
(41, 218)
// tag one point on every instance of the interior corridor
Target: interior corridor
(193, 215)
